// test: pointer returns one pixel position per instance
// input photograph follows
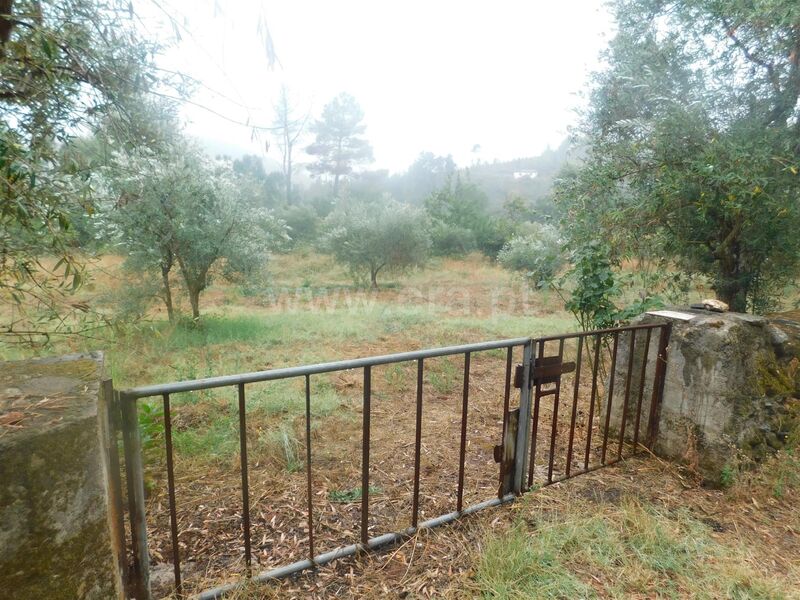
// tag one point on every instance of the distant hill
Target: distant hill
(531, 178)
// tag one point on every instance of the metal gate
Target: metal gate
(582, 432)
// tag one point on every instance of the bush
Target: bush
(452, 240)
(537, 255)
(373, 236)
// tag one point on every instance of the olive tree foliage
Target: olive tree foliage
(693, 136)
(339, 144)
(182, 211)
(371, 237)
(64, 66)
(538, 254)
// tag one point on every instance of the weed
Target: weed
(727, 476)
(351, 495)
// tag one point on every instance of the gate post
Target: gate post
(523, 430)
(134, 470)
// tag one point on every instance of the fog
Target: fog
(480, 81)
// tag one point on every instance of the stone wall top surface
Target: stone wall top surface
(43, 394)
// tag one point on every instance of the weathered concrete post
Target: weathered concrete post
(58, 533)
(728, 389)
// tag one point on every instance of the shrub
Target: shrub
(537, 255)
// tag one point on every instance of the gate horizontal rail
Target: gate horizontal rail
(525, 439)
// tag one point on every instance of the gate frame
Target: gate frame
(125, 403)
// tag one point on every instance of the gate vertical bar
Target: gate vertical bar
(574, 415)
(627, 396)
(365, 456)
(417, 447)
(463, 447)
(537, 396)
(641, 391)
(554, 424)
(506, 402)
(524, 418)
(115, 477)
(308, 472)
(173, 513)
(134, 471)
(611, 377)
(590, 422)
(658, 385)
(245, 479)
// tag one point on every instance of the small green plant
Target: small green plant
(727, 476)
(352, 495)
(151, 419)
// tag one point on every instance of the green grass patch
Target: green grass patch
(633, 549)
(349, 496)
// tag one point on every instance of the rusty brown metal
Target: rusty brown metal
(115, 502)
(627, 396)
(506, 402)
(245, 479)
(365, 455)
(549, 369)
(574, 415)
(134, 477)
(658, 385)
(309, 487)
(537, 396)
(590, 421)
(611, 377)
(642, 377)
(505, 454)
(462, 453)
(173, 512)
(565, 368)
(536, 371)
(417, 446)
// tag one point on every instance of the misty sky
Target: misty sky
(437, 76)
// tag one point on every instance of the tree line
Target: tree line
(686, 164)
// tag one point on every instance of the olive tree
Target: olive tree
(692, 144)
(374, 236)
(183, 211)
(64, 66)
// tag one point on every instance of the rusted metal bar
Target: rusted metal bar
(309, 492)
(658, 384)
(173, 511)
(523, 430)
(372, 544)
(535, 426)
(626, 399)
(342, 365)
(417, 445)
(611, 330)
(134, 472)
(462, 454)
(590, 422)
(554, 424)
(365, 456)
(245, 479)
(611, 378)
(574, 415)
(506, 402)
(115, 501)
(642, 376)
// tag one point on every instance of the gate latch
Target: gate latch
(547, 369)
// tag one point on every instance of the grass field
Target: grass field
(640, 529)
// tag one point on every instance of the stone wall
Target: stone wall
(55, 524)
(729, 388)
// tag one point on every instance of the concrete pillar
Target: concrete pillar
(728, 389)
(57, 530)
